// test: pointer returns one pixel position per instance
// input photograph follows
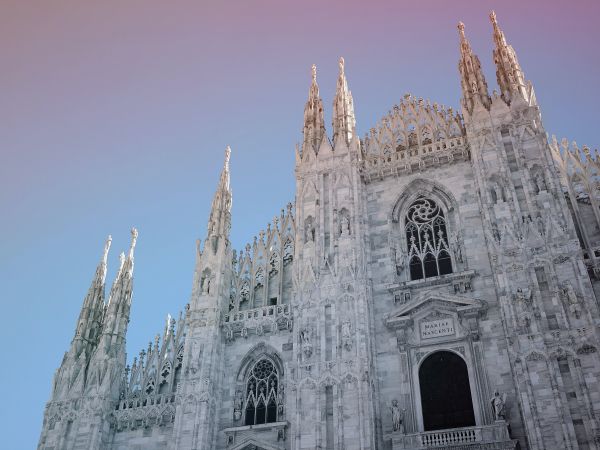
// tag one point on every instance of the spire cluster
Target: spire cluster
(509, 74)
(474, 86)
(344, 121)
(510, 77)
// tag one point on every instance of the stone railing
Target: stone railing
(450, 437)
(415, 158)
(152, 400)
(267, 319)
(155, 410)
(493, 436)
(257, 313)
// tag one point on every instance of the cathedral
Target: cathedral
(435, 284)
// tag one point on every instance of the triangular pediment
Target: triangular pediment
(427, 302)
(253, 444)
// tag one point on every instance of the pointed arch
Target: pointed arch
(254, 354)
(420, 187)
(425, 231)
(259, 387)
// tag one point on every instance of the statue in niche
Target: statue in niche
(309, 230)
(206, 284)
(498, 403)
(523, 296)
(244, 292)
(570, 296)
(347, 335)
(305, 341)
(259, 279)
(540, 182)
(344, 224)
(569, 293)
(526, 324)
(397, 417)
(496, 233)
(288, 252)
(237, 406)
(540, 225)
(497, 193)
(400, 260)
(280, 400)
(456, 247)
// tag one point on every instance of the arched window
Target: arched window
(262, 384)
(427, 240)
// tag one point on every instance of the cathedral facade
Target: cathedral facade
(434, 285)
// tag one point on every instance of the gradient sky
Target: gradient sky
(117, 113)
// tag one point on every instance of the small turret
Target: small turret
(474, 86)
(344, 122)
(314, 123)
(511, 78)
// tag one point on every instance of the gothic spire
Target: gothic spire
(474, 87)
(90, 316)
(219, 221)
(314, 123)
(344, 122)
(119, 302)
(511, 79)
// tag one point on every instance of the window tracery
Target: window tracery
(262, 386)
(427, 240)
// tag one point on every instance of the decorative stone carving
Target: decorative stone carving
(305, 342)
(524, 297)
(400, 260)
(237, 405)
(570, 297)
(344, 223)
(456, 246)
(498, 403)
(397, 416)
(347, 334)
(280, 400)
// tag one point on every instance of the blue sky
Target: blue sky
(117, 114)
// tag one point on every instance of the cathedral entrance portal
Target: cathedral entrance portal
(445, 392)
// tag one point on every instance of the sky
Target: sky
(116, 114)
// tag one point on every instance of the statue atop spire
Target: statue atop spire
(314, 123)
(134, 235)
(106, 248)
(509, 74)
(474, 86)
(344, 122)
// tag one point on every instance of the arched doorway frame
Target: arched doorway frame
(468, 360)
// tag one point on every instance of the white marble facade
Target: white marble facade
(433, 286)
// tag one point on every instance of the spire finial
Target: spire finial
(344, 122)
(461, 29)
(134, 235)
(493, 17)
(227, 156)
(106, 248)
(314, 127)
